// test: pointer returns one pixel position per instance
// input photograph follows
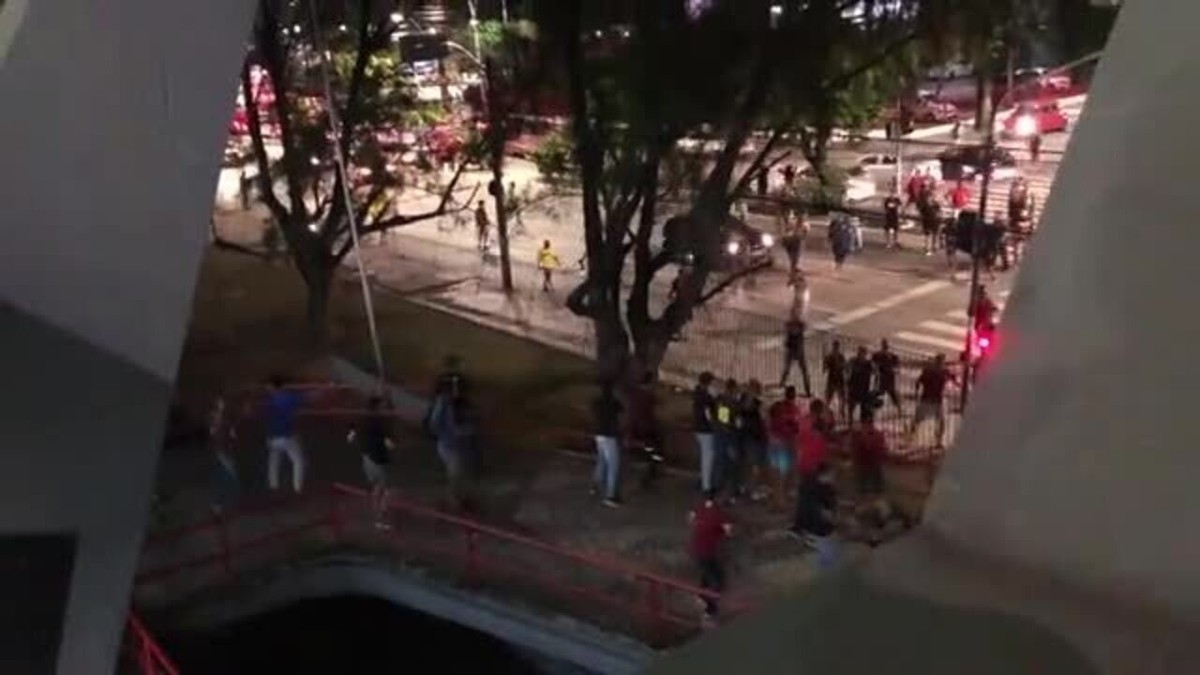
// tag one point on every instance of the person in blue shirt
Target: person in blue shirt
(453, 424)
(282, 406)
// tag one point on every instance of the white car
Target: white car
(882, 168)
(860, 186)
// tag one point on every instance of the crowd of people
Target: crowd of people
(939, 218)
(776, 454)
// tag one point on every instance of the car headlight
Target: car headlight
(733, 247)
(1026, 126)
(767, 240)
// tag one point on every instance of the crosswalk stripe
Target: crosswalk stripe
(929, 340)
(961, 314)
(947, 328)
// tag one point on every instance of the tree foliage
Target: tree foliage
(372, 103)
(737, 73)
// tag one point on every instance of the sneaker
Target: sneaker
(612, 503)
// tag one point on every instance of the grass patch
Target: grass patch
(248, 322)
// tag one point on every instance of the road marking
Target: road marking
(961, 314)
(947, 328)
(885, 304)
(929, 340)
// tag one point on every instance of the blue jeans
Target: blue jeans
(707, 444)
(828, 551)
(729, 461)
(608, 465)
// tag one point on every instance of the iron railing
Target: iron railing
(656, 608)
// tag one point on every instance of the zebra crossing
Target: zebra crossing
(947, 334)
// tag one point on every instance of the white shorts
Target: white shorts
(376, 474)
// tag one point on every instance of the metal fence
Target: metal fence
(655, 608)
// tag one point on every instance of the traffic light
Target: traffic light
(983, 343)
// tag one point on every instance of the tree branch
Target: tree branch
(266, 184)
(729, 281)
(751, 171)
(402, 220)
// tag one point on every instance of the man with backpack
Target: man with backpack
(841, 239)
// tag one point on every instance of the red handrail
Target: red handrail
(654, 588)
(585, 559)
(149, 656)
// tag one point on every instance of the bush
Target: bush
(553, 159)
(823, 196)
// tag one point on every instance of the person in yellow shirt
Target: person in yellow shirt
(547, 262)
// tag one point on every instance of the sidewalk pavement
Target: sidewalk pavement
(739, 334)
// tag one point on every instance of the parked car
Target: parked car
(1054, 81)
(1035, 119)
(950, 70)
(929, 109)
(968, 162)
(859, 184)
(882, 167)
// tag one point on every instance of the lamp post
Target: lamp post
(497, 137)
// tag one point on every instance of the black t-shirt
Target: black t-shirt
(891, 212)
(372, 439)
(727, 409)
(794, 341)
(606, 416)
(703, 410)
(751, 426)
(861, 373)
(932, 384)
(886, 364)
(450, 383)
(835, 367)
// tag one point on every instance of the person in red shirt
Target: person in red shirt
(783, 425)
(983, 313)
(710, 528)
(912, 189)
(869, 449)
(812, 446)
(959, 197)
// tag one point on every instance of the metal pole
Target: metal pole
(475, 28)
(499, 137)
(977, 233)
(899, 153)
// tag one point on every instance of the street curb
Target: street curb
(512, 328)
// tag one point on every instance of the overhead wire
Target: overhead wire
(339, 160)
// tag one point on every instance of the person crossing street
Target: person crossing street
(547, 262)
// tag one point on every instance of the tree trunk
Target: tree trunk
(319, 286)
(650, 350)
(499, 138)
(612, 346)
(984, 99)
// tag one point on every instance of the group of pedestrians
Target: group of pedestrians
(786, 450)
(281, 406)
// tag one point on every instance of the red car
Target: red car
(1035, 119)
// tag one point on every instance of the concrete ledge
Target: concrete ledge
(554, 637)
